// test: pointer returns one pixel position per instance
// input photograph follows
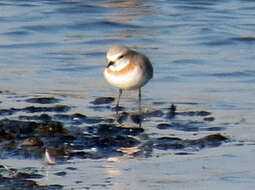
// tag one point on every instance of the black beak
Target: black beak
(109, 64)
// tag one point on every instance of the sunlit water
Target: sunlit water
(202, 53)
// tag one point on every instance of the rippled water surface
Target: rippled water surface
(203, 57)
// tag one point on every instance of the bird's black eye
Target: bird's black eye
(120, 57)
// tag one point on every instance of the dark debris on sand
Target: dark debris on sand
(11, 178)
(103, 100)
(35, 109)
(27, 132)
(43, 100)
(53, 127)
(165, 143)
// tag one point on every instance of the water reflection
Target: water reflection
(128, 14)
(42, 41)
(203, 52)
(124, 4)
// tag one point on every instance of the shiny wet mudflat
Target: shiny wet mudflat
(54, 97)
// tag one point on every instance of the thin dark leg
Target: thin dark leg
(118, 100)
(140, 108)
(140, 100)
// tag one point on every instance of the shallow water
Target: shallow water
(202, 53)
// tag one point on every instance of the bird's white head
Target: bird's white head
(116, 51)
(117, 57)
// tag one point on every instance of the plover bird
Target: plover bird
(127, 70)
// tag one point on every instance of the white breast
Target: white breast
(132, 80)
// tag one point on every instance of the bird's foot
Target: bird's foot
(137, 118)
(117, 109)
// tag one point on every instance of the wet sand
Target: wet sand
(41, 123)
(54, 99)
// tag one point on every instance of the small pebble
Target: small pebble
(60, 173)
(164, 126)
(43, 100)
(103, 100)
(209, 119)
(32, 141)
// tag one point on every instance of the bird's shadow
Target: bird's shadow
(138, 117)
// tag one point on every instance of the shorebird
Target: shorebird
(127, 70)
